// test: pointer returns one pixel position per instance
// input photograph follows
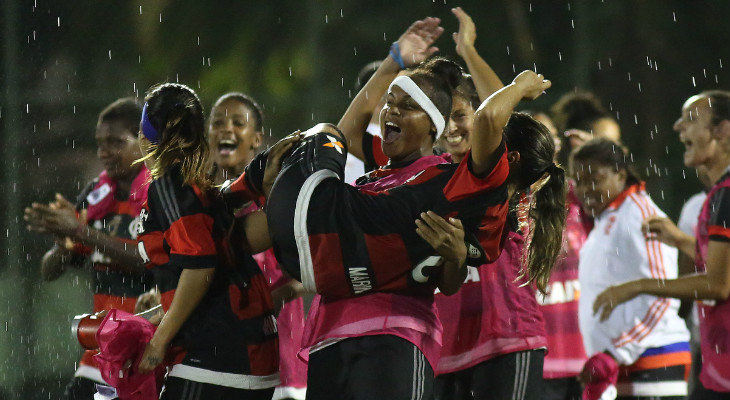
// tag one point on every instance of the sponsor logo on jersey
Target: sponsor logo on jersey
(141, 220)
(359, 279)
(335, 144)
(98, 194)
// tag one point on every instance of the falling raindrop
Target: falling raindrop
(560, 56)
(599, 65)
(110, 54)
(629, 76)
(507, 50)
(721, 63)
(140, 10)
(704, 72)
(341, 14)
(674, 16)
(59, 22)
(326, 19)
(160, 17)
(572, 23)
(530, 7)
(694, 84)
(198, 40)
(290, 70)
(639, 86)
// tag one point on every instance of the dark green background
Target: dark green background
(63, 61)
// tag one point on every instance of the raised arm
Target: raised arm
(493, 114)
(415, 46)
(485, 79)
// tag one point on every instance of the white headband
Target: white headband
(422, 100)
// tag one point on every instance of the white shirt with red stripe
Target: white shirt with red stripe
(615, 252)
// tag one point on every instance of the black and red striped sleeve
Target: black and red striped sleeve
(189, 232)
(465, 183)
(718, 226)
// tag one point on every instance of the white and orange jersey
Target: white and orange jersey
(616, 251)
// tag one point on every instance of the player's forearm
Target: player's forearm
(355, 120)
(453, 276)
(691, 287)
(489, 121)
(191, 289)
(122, 255)
(485, 79)
(55, 262)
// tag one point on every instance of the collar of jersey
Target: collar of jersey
(616, 203)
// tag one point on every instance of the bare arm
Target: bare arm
(59, 219)
(493, 114)
(712, 285)
(191, 288)
(55, 262)
(485, 79)
(667, 232)
(447, 238)
(415, 46)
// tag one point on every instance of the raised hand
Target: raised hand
(415, 43)
(531, 84)
(467, 34)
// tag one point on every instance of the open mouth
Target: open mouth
(454, 140)
(227, 146)
(392, 132)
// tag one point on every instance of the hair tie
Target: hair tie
(410, 87)
(550, 168)
(148, 130)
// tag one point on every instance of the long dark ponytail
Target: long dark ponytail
(536, 148)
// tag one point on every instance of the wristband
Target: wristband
(395, 54)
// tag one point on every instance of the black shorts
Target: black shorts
(182, 389)
(562, 389)
(515, 376)
(369, 367)
(80, 389)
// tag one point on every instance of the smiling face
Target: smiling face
(117, 148)
(596, 185)
(456, 138)
(232, 135)
(695, 131)
(405, 126)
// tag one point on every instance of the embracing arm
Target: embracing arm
(447, 238)
(415, 46)
(485, 79)
(494, 113)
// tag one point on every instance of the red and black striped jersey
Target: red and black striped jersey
(233, 329)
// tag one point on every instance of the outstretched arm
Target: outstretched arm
(415, 46)
(714, 284)
(493, 114)
(485, 79)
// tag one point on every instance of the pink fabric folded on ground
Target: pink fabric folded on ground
(123, 337)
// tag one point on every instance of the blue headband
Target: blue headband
(148, 130)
